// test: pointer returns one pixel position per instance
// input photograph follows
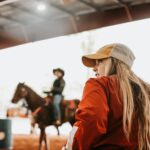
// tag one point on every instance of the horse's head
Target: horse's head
(20, 92)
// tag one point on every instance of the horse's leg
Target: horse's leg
(58, 133)
(32, 131)
(45, 140)
(41, 138)
(33, 123)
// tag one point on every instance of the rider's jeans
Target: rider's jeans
(56, 102)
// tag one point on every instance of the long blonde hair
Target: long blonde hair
(139, 106)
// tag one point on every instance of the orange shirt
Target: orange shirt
(99, 118)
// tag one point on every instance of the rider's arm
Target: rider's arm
(58, 88)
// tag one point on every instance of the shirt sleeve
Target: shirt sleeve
(91, 117)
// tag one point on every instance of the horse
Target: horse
(42, 112)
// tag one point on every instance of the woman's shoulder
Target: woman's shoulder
(105, 80)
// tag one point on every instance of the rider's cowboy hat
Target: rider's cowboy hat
(59, 70)
(116, 50)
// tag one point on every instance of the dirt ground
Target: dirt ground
(30, 142)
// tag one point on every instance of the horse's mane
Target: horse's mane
(34, 97)
(34, 93)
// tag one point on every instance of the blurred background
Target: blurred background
(37, 36)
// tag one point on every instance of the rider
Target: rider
(56, 91)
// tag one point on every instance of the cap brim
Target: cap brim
(89, 60)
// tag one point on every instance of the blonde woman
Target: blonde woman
(114, 113)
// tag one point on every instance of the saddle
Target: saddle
(71, 105)
(48, 100)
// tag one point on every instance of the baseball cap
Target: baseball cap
(116, 50)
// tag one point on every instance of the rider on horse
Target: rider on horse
(56, 92)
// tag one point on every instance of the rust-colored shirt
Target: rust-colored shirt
(99, 118)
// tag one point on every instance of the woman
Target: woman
(114, 113)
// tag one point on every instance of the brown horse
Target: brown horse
(42, 113)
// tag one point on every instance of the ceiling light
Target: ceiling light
(41, 7)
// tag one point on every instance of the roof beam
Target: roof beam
(11, 19)
(92, 5)
(127, 10)
(27, 11)
(5, 2)
(59, 7)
